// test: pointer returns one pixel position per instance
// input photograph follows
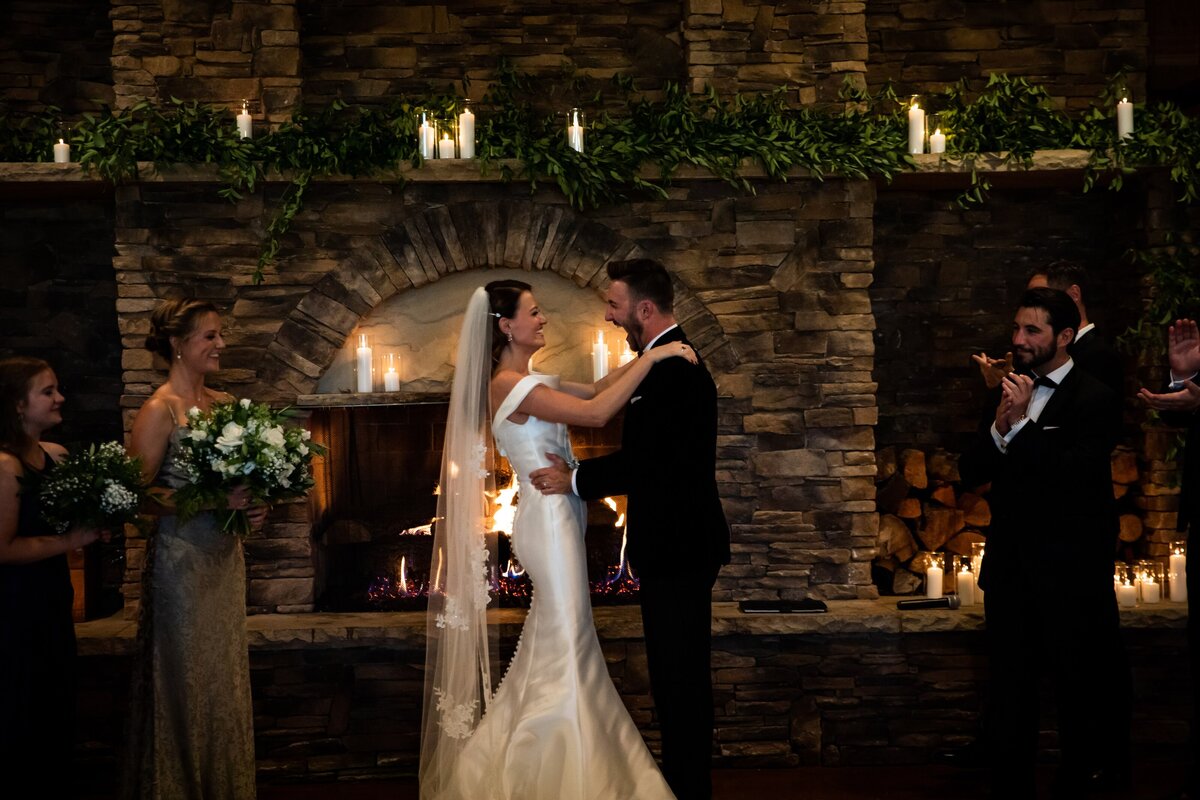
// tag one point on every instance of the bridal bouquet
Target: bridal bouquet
(100, 487)
(241, 444)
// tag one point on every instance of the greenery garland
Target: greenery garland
(865, 136)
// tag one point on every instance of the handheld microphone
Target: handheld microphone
(949, 601)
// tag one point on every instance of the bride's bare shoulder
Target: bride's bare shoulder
(503, 382)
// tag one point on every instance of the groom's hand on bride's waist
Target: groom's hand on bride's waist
(554, 479)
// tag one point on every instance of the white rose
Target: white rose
(244, 402)
(231, 436)
(302, 449)
(193, 411)
(274, 436)
(306, 434)
(199, 435)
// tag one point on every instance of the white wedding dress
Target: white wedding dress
(556, 728)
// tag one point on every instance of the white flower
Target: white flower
(193, 411)
(199, 435)
(244, 402)
(274, 436)
(248, 467)
(302, 449)
(231, 436)
(305, 434)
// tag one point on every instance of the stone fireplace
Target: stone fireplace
(771, 287)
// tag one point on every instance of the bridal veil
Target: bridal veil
(459, 651)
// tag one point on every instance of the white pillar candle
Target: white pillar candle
(1178, 568)
(62, 153)
(599, 357)
(966, 588)
(427, 138)
(445, 147)
(627, 355)
(1124, 119)
(575, 131)
(933, 582)
(916, 128)
(1127, 595)
(466, 134)
(937, 141)
(1150, 590)
(363, 364)
(245, 124)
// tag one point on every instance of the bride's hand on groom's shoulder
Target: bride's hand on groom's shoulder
(554, 479)
(673, 350)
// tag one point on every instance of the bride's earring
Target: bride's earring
(509, 335)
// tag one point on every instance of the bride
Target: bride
(555, 728)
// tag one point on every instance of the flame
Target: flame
(403, 575)
(608, 501)
(504, 502)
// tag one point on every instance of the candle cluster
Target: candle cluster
(1151, 582)
(453, 137)
(365, 371)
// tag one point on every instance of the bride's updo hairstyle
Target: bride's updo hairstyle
(175, 318)
(503, 299)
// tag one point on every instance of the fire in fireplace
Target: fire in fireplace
(375, 500)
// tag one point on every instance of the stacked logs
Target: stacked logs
(923, 507)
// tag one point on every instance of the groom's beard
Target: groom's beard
(633, 333)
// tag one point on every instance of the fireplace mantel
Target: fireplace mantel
(356, 399)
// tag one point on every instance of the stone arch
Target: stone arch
(447, 239)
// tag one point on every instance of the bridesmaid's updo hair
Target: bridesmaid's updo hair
(16, 378)
(175, 318)
(503, 299)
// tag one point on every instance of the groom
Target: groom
(678, 537)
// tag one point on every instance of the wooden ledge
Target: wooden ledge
(1045, 163)
(114, 636)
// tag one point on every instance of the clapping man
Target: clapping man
(1046, 454)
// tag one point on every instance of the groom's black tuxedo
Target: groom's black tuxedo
(1047, 575)
(678, 539)
(667, 468)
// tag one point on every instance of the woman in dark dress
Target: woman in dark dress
(37, 635)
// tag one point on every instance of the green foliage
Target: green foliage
(1174, 272)
(634, 145)
(25, 137)
(1010, 116)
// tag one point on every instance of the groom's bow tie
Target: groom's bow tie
(1042, 380)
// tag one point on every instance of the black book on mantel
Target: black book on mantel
(806, 606)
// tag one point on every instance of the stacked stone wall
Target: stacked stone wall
(772, 288)
(1070, 46)
(55, 53)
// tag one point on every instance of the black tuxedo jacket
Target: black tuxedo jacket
(1053, 510)
(1098, 358)
(666, 467)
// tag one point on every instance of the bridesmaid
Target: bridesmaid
(37, 634)
(192, 732)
